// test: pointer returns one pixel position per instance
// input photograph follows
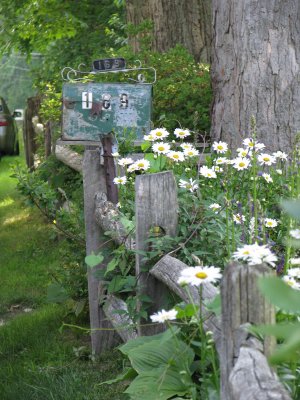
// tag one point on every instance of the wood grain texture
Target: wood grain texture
(256, 71)
(121, 322)
(93, 182)
(107, 217)
(185, 22)
(252, 378)
(69, 157)
(155, 206)
(242, 303)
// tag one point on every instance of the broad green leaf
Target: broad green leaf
(280, 331)
(280, 294)
(215, 305)
(140, 341)
(111, 266)
(289, 351)
(188, 311)
(158, 384)
(129, 373)
(292, 207)
(56, 293)
(145, 146)
(152, 355)
(94, 259)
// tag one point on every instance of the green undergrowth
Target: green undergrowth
(37, 360)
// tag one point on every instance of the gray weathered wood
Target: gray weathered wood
(167, 270)
(107, 217)
(93, 182)
(242, 302)
(121, 322)
(69, 157)
(256, 71)
(155, 206)
(251, 377)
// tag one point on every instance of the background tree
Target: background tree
(185, 22)
(255, 70)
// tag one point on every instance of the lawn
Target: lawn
(37, 360)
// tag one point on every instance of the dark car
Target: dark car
(9, 143)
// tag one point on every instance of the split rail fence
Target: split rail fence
(245, 373)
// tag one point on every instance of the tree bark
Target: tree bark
(187, 22)
(255, 71)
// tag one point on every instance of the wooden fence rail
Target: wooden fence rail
(245, 373)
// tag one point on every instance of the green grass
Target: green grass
(37, 361)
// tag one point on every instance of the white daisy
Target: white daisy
(215, 207)
(281, 155)
(279, 171)
(181, 133)
(125, 161)
(220, 147)
(239, 218)
(161, 148)
(199, 275)
(163, 316)
(295, 261)
(216, 168)
(159, 133)
(259, 146)
(241, 163)
(291, 282)
(243, 152)
(249, 142)
(270, 222)
(295, 233)
(149, 138)
(120, 180)
(255, 254)
(267, 177)
(207, 172)
(115, 154)
(191, 185)
(142, 164)
(221, 160)
(192, 152)
(176, 155)
(266, 159)
(186, 146)
(294, 272)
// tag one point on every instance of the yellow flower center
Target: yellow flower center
(242, 164)
(251, 144)
(161, 148)
(201, 275)
(181, 133)
(246, 252)
(175, 156)
(188, 186)
(159, 134)
(220, 147)
(141, 165)
(266, 159)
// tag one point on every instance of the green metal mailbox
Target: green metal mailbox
(93, 110)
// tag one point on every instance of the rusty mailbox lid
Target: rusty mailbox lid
(93, 110)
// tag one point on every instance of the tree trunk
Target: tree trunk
(255, 71)
(187, 22)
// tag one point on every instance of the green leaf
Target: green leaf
(292, 207)
(56, 293)
(187, 311)
(111, 266)
(129, 373)
(289, 351)
(215, 305)
(280, 331)
(280, 294)
(92, 260)
(145, 146)
(159, 384)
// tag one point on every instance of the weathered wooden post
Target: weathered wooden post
(245, 373)
(93, 182)
(156, 207)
